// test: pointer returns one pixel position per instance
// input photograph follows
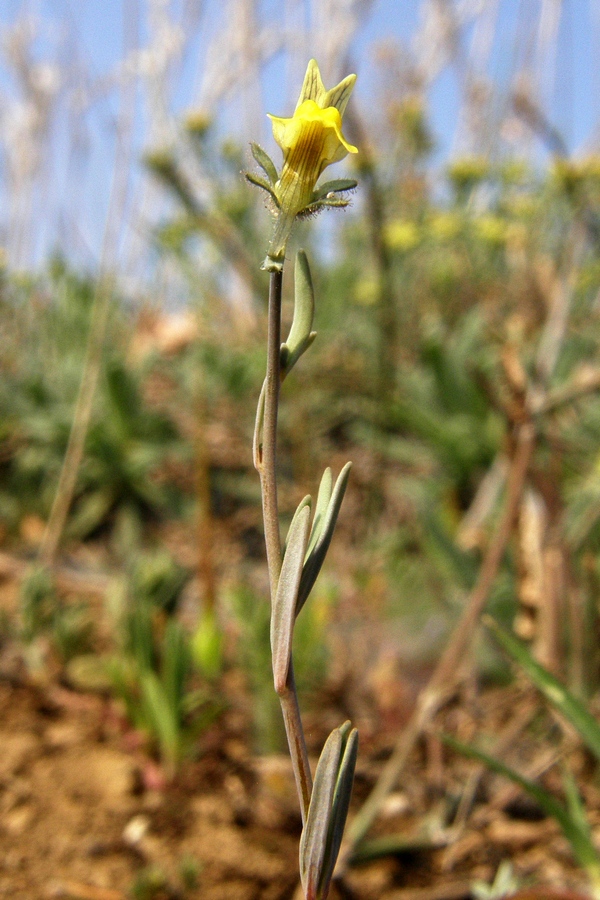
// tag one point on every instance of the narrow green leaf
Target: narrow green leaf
(162, 719)
(333, 187)
(555, 693)
(575, 805)
(176, 663)
(265, 162)
(316, 556)
(300, 337)
(313, 843)
(257, 181)
(578, 837)
(340, 806)
(284, 603)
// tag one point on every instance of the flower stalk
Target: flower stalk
(310, 140)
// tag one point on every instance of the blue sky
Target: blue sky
(91, 37)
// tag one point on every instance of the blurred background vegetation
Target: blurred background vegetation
(458, 301)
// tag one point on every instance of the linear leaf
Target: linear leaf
(313, 564)
(265, 162)
(284, 603)
(313, 842)
(578, 837)
(162, 719)
(555, 693)
(575, 805)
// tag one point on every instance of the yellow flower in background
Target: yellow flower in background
(445, 225)
(491, 229)
(310, 140)
(401, 234)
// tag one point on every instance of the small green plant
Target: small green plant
(39, 602)
(150, 883)
(189, 872)
(44, 612)
(128, 442)
(310, 140)
(570, 814)
(153, 675)
(504, 884)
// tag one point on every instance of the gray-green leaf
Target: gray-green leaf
(284, 603)
(327, 811)
(317, 554)
(300, 337)
(341, 803)
(306, 501)
(323, 498)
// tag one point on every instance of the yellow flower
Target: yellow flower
(311, 140)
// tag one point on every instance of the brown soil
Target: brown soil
(86, 816)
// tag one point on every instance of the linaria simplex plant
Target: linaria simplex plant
(310, 140)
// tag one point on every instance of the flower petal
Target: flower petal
(339, 95)
(285, 131)
(335, 142)
(312, 87)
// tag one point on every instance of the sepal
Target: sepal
(257, 181)
(265, 162)
(333, 203)
(336, 186)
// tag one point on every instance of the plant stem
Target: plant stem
(266, 463)
(296, 743)
(69, 472)
(268, 457)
